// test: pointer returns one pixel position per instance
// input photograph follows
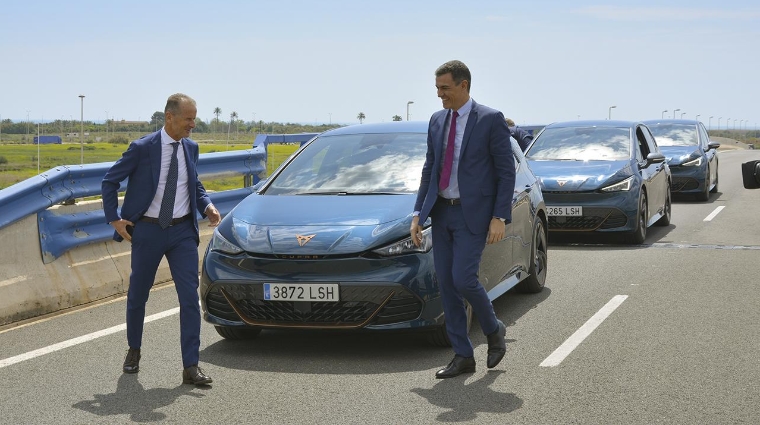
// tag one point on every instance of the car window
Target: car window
(703, 136)
(355, 163)
(674, 134)
(642, 142)
(581, 144)
(651, 142)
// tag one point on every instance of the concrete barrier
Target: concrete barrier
(30, 288)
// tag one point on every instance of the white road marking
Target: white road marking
(12, 280)
(575, 339)
(79, 340)
(714, 213)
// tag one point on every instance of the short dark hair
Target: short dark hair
(458, 70)
(172, 104)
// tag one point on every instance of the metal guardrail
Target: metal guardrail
(62, 232)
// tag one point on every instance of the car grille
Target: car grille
(681, 184)
(359, 305)
(592, 219)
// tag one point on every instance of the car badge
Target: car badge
(561, 182)
(303, 240)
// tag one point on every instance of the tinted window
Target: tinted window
(582, 144)
(356, 163)
(674, 134)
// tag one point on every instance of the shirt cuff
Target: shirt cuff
(416, 214)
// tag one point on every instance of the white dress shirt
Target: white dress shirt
(452, 191)
(182, 199)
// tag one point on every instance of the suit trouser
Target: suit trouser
(179, 243)
(457, 253)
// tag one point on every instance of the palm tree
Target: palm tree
(397, 118)
(233, 116)
(361, 117)
(217, 112)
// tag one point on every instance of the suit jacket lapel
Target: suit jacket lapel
(155, 160)
(471, 121)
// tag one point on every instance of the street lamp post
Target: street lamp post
(734, 124)
(674, 113)
(81, 129)
(709, 121)
(609, 112)
(682, 114)
(106, 124)
(663, 114)
(728, 122)
(407, 109)
(697, 118)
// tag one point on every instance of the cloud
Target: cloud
(618, 13)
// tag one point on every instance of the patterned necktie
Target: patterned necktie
(448, 160)
(166, 214)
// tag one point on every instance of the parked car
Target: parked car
(324, 242)
(602, 176)
(691, 156)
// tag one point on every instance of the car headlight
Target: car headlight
(220, 244)
(693, 163)
(620, 186)
(406, 246)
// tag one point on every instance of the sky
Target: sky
(323, 62)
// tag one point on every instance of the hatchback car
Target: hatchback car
(602, 176)
(691, 156)
(324, 242)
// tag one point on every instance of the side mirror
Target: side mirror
(751, 174)
(655, 158)
(713, 145)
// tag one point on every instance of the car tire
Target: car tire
(237, 333)
(536, 280)
(639, 234)
(704, 195)
(715, 189)
(667, 211)
(440, 338)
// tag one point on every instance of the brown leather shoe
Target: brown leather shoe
(497, 345)
(458, 366)
(132, 361)
(194, 375)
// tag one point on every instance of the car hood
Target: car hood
(677, 155)
(320, 224)
(578, 176)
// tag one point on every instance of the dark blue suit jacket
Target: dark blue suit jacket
(141, 163)
(486, 173)
(523, 137)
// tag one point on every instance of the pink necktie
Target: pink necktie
(448, 160)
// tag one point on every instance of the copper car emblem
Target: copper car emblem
(561, 182)
(303, 240)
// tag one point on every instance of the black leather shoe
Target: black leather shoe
(497, 345)
(457, 367)
(194, 375)
(132, 362)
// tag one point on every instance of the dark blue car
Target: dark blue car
(602, 176)
(324, 242)
(691, 156)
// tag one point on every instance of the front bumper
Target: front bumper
(602, 212)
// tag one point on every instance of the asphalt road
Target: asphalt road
(665, 332)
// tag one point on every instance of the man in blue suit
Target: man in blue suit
(523, 137)
(159, 218)
(466, 189)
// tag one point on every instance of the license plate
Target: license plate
(325, 292)
(565, 211)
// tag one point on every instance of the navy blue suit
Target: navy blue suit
(141, 164)
(523, 137)
(486, 178)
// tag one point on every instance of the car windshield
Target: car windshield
(355, 164)
(582, 144)
(674, 134)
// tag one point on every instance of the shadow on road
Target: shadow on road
(130, 398)
(465, 401)
(353, 352)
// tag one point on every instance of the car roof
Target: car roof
(593, 123)
(381, 127)
(671, 121)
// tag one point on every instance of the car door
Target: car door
(653, 174)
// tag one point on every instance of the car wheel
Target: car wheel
(640, 232)
(666, 211)
(715, 189)
(236, 333)
(440, 338)
(537, 273)
(704, 195)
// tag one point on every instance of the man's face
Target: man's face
(181, 124)
(453, 95)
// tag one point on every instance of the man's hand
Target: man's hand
(121, 228)
(213, 216)
(416, 231)
(495, 231)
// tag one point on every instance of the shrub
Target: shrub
(3, 160)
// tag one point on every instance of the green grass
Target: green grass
(21, 158)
